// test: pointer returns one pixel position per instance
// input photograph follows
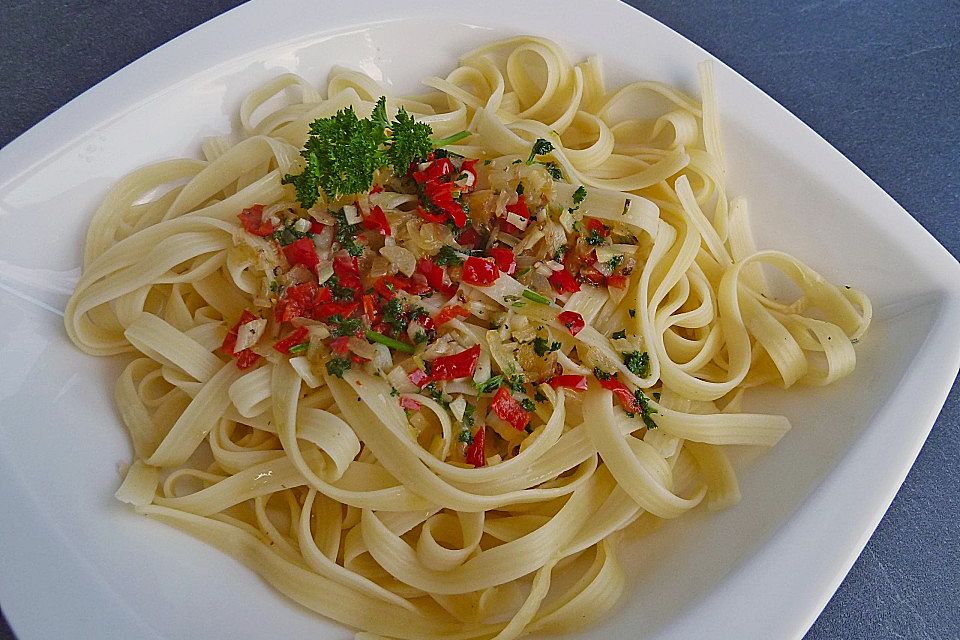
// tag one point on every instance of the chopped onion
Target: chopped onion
(398, 378)
(402, 258)
(361, 347)
(324, 273)
(457, 407)
(302, 225)
(351, 214)
(249, 333)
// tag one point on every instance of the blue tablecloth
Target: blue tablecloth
(878, 79)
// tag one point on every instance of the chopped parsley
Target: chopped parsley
(540, 147)
(558, 254)
(347, 234)
(601, 374)
(541, 347)
(615, 262)
(516, 381)
(578, 196)
(347, 327)
(435, 394)
(638, 363)
(553, 170)
(338, 366)
(491, 385)
(338, 291)
(539, 397)
(633, 313)
(519, 188)
(465, 436)
(448, 256)
(594, 239)
(619, 335)
(274, 286)
(528, 405)
(297, 349)
(468, 416)
(392, 315)
(645, 410)
(420, 337)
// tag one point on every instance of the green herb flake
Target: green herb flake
(338, 366)
(541, 347)
(448, 256)
(491, 385)
(540, 147)
(536, 297)
(619, 335)
(633, 313)
(638, 363)
(528, 405)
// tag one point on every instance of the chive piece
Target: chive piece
(536, 297)
(373, 336)
(299, 348)
(457, 137)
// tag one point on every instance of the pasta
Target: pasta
(411, 404)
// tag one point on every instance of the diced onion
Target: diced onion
(249, 333)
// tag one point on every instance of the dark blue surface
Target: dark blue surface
(879, 80)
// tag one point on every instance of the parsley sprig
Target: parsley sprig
(343, 151)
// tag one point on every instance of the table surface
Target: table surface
(880, 80)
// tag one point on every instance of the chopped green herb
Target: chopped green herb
(594, 239)
(394, 392)
(539, 397)
(553, 170)
(373, 336)
(274, 286)
(614, 262)
(338, 366)
(393, 315)
(540, 147)
(348, 327)
(619, 335)
(645, 410)
(579, 195)
(536, 297)
(435, 394)
(347, 234)
(466, 437)
(633, 313)
(491, 385)
(638, 363)
(420, 337)
(516, 381)
(541, 347)
(656, 396)
(601, 374)
(558, 254)
(528, 405)
(299, 348)
(338, 291)
(448, 256)
(519, 188)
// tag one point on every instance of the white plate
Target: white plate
(75, 563)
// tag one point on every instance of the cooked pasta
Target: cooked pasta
(411, 359)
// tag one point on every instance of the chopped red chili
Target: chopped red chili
(594, 225)
(480, 272)
(419, 377)
(302, 252)
(340, 345)
(253, 222)
(474, 454)
(623, 394)
(316, 227)
(409, 404)
(572, 320)
(506, 407)
(505, 260)
(617, 281)
(436, 276)
(457, 365)
(570, 381)
(469, 237)
(301, 300)
(434, 170)
(245, 357)
(296, 337)
(344, 309)
(519, 208)
(447, 314)
(563, 282)
(347, 270)
(377, 221)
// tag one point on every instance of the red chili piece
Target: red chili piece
(409, 404)
(519, 208)
(479, 272)
(298, 336)
(507, 408)
(301, 300)
(458, 365)
(253, 222)
(563, 282)
(575, 382)
(347, 270)
(469, 237)
(447, 314)
(474, 453)
(623, 394)
(419, 377)
(316, 227)
(340, 345)
(618, 282)
(377, 221)
(343, 309)
(302, 252)
(504, 259)
(436, 276)
(245, 358)
(572, 320)
(595, 225)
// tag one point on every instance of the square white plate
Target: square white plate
(75, 563)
